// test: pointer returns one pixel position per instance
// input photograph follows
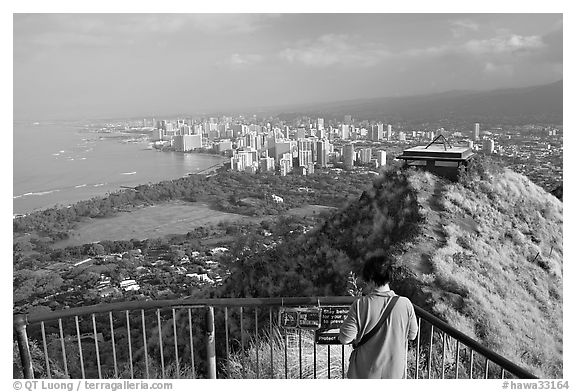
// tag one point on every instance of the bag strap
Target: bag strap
(381, 322)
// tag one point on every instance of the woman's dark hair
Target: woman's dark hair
(377, 269)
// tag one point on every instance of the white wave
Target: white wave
(97, 185)
(82, 158)
(56, 154)
(128, 173)
(36, 193)
(61, 151)
(80, 186)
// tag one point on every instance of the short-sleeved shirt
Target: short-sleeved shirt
(384, 355)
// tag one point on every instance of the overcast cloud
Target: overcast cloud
(90, 65)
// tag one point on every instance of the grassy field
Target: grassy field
(149, 222)
(310, 210)
(175, 217)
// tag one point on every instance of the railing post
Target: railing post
(210, 343)
(23, 347)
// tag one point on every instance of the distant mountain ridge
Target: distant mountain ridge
(541, 103)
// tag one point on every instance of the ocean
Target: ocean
(62, 163)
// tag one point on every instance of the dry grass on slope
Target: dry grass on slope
(491, 261)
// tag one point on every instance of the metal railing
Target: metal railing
(224, 338)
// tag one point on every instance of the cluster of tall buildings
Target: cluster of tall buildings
(487, 143)
(315, 144)
(272, 150)
(264, 147)
(375, 132)
(181, 135)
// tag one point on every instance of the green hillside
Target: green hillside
(489, 259)
(484, 254)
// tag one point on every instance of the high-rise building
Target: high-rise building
(381, 158)
(224, 145)
(402, 136)
(300, 133)
(389, 132)
(347, 119)
(320, 125)
(278, 148)
(322, 151)
(213, 134)
(157, 134)
(184, 129)
(488, 146)
(310, 168)
(212, 126)
(255, 128)
(477, 131)
(380, 131)
(345, 128)
(244, 160)
(365, 155)
(187, 142)
(267, 164)
(252, 140)
(376, 132)
(349, 156)
(237, 130)
(305, 152)
(285, 163)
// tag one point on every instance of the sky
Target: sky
(91, 65)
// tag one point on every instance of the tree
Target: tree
(96, 250)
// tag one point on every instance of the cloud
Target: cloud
(237, 60)
(97, 29)
(70, 39)
(461, 27)
(334, 50)
(341, 50)
(508, 48)
(230, 23)
(513, 44)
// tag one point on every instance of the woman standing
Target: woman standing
(378, 326)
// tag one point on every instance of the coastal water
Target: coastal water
(62, 163)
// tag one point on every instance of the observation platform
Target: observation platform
(439, 157)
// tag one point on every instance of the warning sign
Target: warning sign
(288, 318)
(325, 320)
(331, 320)
(305, 318)
(309, 318)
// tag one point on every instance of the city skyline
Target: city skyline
(132, 64)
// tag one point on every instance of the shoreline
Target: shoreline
(71, 194)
